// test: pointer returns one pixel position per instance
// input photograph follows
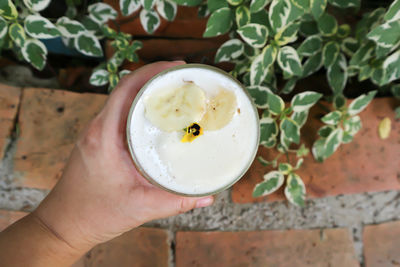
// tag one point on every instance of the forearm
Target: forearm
(29, 242)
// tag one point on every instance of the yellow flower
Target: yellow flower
(192, 132)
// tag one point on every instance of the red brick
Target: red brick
(382, 244)
(9, 217)
(331, 247)
(9, 99)
(141, 247)
(368, 164)
(50, 121)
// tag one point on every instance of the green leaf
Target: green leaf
(113, 79)
(214, 5)
(318, 7)
(346, 3)
(287, 34)
(290, 130)
(17, 34)
(330, 53)
(301, 152)
(347, 138)
(313, 64)
(392, 66)
(379, 76)
(386, 35)
(352, 125)
(269, 55)
(258, 5)
(99, 77)
(268, 132)
(339, 101)
(235, 2)
(289, 85)
(302, 4)
(333, 142)
(360, 103)
(148, 4)
(3, 28)
(242, 15)
(318, 149)
(40, 27)
(325, 131)
(254, 34)
(8, 10)
(272, 181)
(364, 73)
(362, 55)
(308, 28)
(129, 7)
(101, 12)
(310, 46)
(369, 20)
(275, 104)
(88, 45)
(393, 12)
(327, 25)
(220, 22)
(289, 61)
(395, 89)
(150, 20)
(397, 111)
(337, 75)
(229, 50)
(259, 94)
(257, 70)
(266, 162)
(300, 118)
(349, 46)
(203, 11)
(188, 2)
(285, 168)
(167, 9)
(36, 5)
(332, 118)
(261, 18)
(90, 24)
(123, 73)
(304, 101)
(295, 190)
(343, 31)
(279, 12)
(35, 53)
(69, 28)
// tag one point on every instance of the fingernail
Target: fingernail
(204, 202)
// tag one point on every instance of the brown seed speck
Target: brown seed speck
(238, 110)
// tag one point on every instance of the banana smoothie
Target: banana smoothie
(193, 130)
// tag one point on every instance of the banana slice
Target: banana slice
(173, 109)
(220, 110)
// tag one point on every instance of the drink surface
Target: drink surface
(213, 160)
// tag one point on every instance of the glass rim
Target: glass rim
(139, 96)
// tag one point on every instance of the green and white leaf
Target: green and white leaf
(101, 12)
(167, 9)
(268, 132)
(258, 5)
(339, 101)
(312, 64)
(289, 85)
(275, 103)
(285, 168)
(257, 70)
(333, 142)
(290, 130)
(327, 25)
(40, 27)
(332, 118)
(301, 160)
(35, 53)
(369, 21)
(363, 54)
(393, 12)
(229, 50)
(123, 73)
(300, 117)
(330, 53)
(150, 20)
(128, 7)
(318, 7)
(289, 61)
(220, 22)
(304, 101)
(259, 94)
(272, 181)
(386, 35)
(310, 46)
(148, 4)
(360, 103)
(343, 31)
(325, 131)
(36, 5)
(392, 66)
(279, 12)
(318, 149)
(69, 28)
(254, 34)
(17, 34)
(242, 15)
(295, 190)
(287, 34)
(8, 10)
(337, 75)
(352, 125)
(346, 3)
(269, 55)
(308, 28)
(188, 2)
(99, 77)
(349, 46)
(214, 5)
(3, 28)
(87, 44)
(234, 2)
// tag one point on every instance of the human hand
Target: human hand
(101, 194)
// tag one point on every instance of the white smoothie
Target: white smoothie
(213, 160)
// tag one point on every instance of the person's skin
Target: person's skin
(100, 195)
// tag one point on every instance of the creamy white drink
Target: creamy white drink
(193, 161)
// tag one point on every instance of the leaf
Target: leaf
(395, 89)
(343, 31)
(234, 2)
(242, 15)
(188, 2)
(332, 118)
(87, 44)
(257, 70)
(346, 3)
(349, 46)
(285, 168)
(304, 101)
(259, 94)
(295, 190)
(308, 28)
(392, 66)
(362, 55)
(272, 181)
(69, 28)
(310, 46)
(258, 5)
(369, 20)
(330, 53)
(327, 25)
(17, 34)
(318, 149)
(289, 85)
(289, 61)
(352, 125)
(220, 22)
(35, 53)
(3, 28)
(279, 12)
(275, 104)
(203, 11)
(167, 9)
(269, 55)
(287, 34)
(40, 27)
(150, 20)
(101, 12)
(148, 4)
(364, 73)
(300, 118)
(360, 103)
(325, 131)
(386, 35)
(290, 130)
(36, 5)
(229, 50)
(397, 111)
(129, 7)
(266, 162)
(313, 64)
(254, 34)
(123, 73)
(99, 77)
(318, 7)
(339, 101)
(8, 10)
(268, 132)
(337, 75)
(214, 5)
(393, 12)
(333, 142)
(301, 152)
